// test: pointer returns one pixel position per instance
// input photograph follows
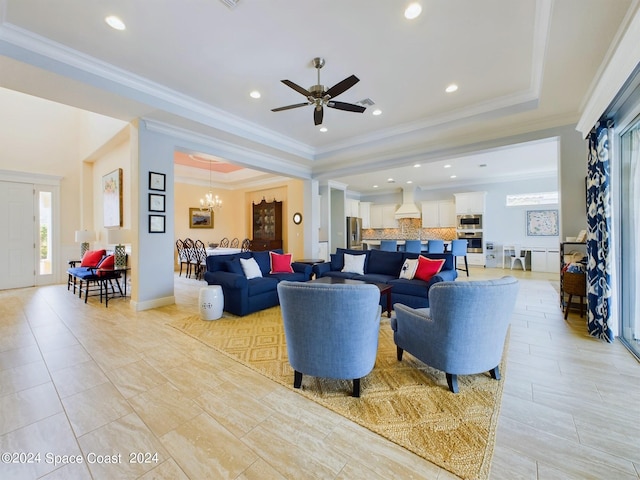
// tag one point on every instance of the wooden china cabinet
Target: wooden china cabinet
(267, 226)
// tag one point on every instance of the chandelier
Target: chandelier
(210, 201)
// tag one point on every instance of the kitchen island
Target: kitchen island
(368, 244)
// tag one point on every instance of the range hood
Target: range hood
(408, 209)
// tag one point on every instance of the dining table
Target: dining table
(222, 251)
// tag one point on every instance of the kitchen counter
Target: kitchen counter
(376, 242)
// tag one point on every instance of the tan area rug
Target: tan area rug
(405, 402)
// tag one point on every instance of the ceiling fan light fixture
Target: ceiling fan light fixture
(377, 112)
(319, 96)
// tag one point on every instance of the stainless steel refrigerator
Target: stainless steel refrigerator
(354, 232)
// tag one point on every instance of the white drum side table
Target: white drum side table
(211, 301)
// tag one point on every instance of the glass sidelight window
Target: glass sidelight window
(45, 233)
(630, 237)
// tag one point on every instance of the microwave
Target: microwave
(469, 222)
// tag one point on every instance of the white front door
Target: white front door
(17, 237)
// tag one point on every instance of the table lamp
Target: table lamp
(118, 237)
(84, 237)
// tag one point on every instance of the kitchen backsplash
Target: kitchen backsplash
(409, 229)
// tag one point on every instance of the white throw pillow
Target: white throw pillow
(408, 269)
(250, 268)
(354, 263)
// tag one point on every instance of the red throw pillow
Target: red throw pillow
(107, 264)
(92, 258)
(280, 263)
(427, 268)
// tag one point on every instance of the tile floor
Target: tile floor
(140, 400)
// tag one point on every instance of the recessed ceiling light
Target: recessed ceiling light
(417, 165)
(409, 181)
(453, 176)
(255, 94)
(447, 166)
(323, 129)
(390, 180)
(377, 112)
(375, 186)
(451, 88)
(115, 23)
(412, 11)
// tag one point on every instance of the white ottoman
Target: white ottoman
(211, 302)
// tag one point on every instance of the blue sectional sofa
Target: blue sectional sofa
(243, 296)
(384, 267)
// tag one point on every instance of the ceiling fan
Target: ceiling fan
(319, 96)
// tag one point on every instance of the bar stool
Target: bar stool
(389, 245)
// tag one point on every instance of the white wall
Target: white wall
(43, 137)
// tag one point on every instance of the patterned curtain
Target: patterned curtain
(599, 236)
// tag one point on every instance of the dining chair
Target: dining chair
(235, 243)
(246, 245)
(183, 258)
(201, 257)
(192, 258)
(224, 243)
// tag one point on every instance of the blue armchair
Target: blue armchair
(464, 329)
(331, 329)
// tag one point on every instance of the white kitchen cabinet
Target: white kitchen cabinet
(538, 260)
(475, 259)
(438, 213)
(383, 216)
(389, 216)
(352, 208)
(323, 251)
(471, 202)
(545, 259)
(365, 214)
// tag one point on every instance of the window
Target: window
(544, 198)
(46, 220)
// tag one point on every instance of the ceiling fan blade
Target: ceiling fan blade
(279, 109)
(342, 86)
(318, 114)
(349, 107)
(297, 88)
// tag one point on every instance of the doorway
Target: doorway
(28, 241)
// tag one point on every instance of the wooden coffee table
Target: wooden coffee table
(383, 287)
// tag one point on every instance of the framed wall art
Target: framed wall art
(156, 202)
(112, 199)
(156, 223)
(543, 223)
(200, 219)
(157, 181)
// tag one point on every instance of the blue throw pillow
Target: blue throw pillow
(263, 259)
(234, 266)
(337, 261)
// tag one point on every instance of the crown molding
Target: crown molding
(619, 63)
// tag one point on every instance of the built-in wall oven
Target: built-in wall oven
(470, 222)
(474, 241)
